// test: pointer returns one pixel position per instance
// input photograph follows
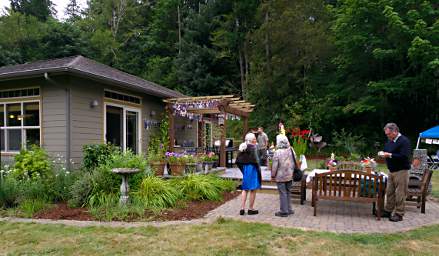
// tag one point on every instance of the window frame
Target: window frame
(22, 127)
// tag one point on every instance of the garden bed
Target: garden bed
(62, 211)
(190, 210)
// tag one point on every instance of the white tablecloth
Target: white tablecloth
(313, 173)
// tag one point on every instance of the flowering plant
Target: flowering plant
(368, 162)
(175, 158)
(332, 161)
(209, 157)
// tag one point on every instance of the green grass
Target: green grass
(225, 237)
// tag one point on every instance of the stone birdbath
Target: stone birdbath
(124, 187)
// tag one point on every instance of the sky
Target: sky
(60, 6)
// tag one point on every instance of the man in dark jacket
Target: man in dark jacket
(397, 151)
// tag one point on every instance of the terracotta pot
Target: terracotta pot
(177, 169)
(332, 168)
(158, 168)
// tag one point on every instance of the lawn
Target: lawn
(224, 237)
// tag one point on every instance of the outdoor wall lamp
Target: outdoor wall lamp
(94, 103)
(152, 113)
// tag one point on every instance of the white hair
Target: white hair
(249, 137)
(282, 141)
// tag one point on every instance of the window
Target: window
(28, 92)
(19, 125)
(122, 97)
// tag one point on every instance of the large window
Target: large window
(19, 125)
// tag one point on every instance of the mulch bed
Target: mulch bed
(62, 211)
(191, 210)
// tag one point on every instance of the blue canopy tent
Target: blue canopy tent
(432, 133)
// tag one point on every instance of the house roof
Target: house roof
(84, 67)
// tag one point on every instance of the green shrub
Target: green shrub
(347, 143)
(155, 193)
(31, 206)
(97, 154)
(127, 160)
(33, 164)
(60, 185)
(81, 189)
(106, 207)
(104, 181)
(9, 192)
(203, 187)
(300, 145)
(37, 189)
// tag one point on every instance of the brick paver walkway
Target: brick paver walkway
(333, 216)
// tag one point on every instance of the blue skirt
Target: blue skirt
(250, 177)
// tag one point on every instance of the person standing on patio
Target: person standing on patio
(282, 172)
(263, 146)
(248, 162)
(396, 152)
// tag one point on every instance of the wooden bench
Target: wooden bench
(346, 185)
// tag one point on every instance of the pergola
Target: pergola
(220, 105)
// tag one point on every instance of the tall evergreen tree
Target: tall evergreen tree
(42, 9)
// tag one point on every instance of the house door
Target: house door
(122, 127)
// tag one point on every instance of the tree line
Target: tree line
(317, 64)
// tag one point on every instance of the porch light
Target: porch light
(94, 103)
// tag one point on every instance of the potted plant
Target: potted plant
(177, 163)
(191, 163)
(157, 163)
(209, 160)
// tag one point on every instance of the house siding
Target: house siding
(54, 118)
(86, 122)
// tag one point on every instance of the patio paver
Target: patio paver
(332, 216)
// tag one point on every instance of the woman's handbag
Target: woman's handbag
(297, 173)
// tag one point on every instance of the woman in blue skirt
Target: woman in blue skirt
(248, 162)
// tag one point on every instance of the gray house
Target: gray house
(63, 104)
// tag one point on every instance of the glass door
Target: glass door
(122, 127)
(114, 125)
(132, 121)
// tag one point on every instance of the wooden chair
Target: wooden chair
(419, 193)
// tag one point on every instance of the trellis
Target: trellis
(197, 107)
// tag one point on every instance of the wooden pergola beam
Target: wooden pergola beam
(204, 111)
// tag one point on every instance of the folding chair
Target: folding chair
(435, 160)
(430, 163)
